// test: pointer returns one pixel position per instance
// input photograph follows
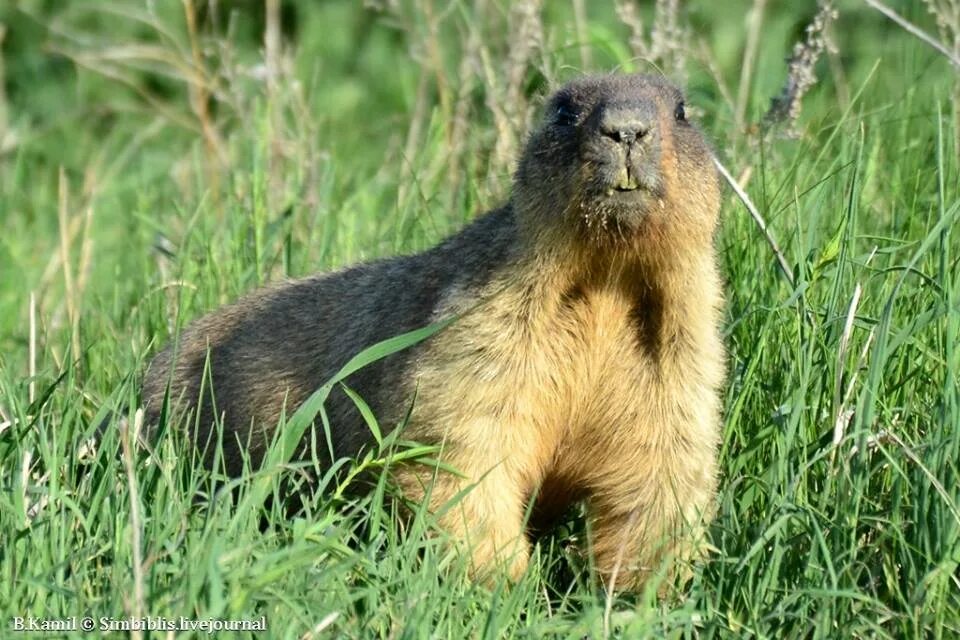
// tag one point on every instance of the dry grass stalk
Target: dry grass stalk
(612, 586)
(32, 350)
(517, 39)
(761, 223)
(845, 341)
(271, 46)
(55, 263)
(200, 98)
(580, 24)
(126, 64)
(126, 444)
(86, 251)
(943, 22)
(669, 39)
(946, 13)
(707, 59)
(70, 292)
(754, 23)
(525, 38)
(425, 48)
(7, 138)
(666, 45)
(437, 58)
(414, 135)
(801, 77)
(318, 630)
(842, 415)
(469, 70)
(628, 15)
(204, 64)
(25, 484)
(117, 64)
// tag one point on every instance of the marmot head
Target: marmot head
(616, 157)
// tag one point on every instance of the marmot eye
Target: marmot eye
(679, 113)
(566, 115)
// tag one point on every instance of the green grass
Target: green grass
(355, 151)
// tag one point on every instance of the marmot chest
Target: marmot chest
(556, 360)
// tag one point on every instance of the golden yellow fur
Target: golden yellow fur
(585, 363)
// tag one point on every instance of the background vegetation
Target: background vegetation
(159, 158)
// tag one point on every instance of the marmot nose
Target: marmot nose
(624, 125)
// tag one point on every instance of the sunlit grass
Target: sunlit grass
(839, 511)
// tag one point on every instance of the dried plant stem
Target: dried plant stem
(580, 20)
(436, 57)
(414, 134)
(845, 342)
(3, 93)
(526, 39)
(199, 100)
(32, 363)
(709, 61)
(948, 500)
(469, 71)
(801, 75)
(63, 217)
(25, 485)
(86, 251)
(321, 626)
(915, 30)
(755, 213)
(271, 45)
(841, 414)
(135, 523)
(612, 587)
(755, 21)
(54, 264)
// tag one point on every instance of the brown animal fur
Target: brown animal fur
(586, 362)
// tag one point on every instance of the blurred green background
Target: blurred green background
(159, 158)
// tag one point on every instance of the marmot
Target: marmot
(585, 363)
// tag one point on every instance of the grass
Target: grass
(150, 171)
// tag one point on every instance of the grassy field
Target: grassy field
(158, 159)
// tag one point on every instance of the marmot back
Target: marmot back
(585, 362)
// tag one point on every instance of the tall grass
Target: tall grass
(159, 159)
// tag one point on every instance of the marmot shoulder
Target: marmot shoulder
(585, 361)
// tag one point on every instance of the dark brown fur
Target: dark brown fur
(585, 363)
